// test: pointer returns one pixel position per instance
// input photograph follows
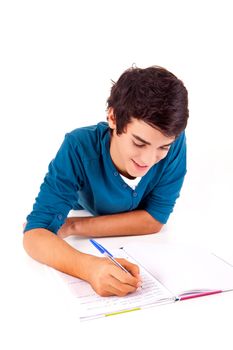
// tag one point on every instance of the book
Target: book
(169, 273)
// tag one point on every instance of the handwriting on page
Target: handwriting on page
(91, 303)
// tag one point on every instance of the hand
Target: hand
(64, 230)
(108, 279)
(70, 227)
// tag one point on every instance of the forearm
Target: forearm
(136, 222)
(47, 248)
(104, 277)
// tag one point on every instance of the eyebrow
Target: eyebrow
(148, 143)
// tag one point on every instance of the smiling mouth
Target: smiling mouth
(140, 166)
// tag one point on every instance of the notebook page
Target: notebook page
(92, 305)
(183, 268)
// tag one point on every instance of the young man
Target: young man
(128, 173)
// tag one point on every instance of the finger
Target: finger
(124, 277)
(118, 288)
(132, 268)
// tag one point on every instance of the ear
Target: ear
(111, 119)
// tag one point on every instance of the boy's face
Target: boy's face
(136, 150)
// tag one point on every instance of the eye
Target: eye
(139, 145)
(165, 148)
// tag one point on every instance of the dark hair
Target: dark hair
(153, 95)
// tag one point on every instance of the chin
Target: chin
(138, 173)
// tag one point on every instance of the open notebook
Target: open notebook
(169, 273)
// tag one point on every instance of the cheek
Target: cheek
(127, 152)
(162, 156)
(134, 153)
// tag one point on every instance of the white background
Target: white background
(56, 64)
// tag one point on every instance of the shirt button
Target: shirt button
(124, 185)
(115, 173)
(60, 217)
(135, 194)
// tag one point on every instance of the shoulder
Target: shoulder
(178, 148)
(88, 133)
(88, 139)
(180, 142)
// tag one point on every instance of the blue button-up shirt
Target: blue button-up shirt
(83, 176)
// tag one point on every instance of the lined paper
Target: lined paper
(93, 305)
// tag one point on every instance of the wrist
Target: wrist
(69, 228)
(77, 226)
(81, 226)
(86, 264)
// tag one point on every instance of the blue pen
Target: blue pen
(106, 253)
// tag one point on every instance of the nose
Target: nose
(150, 157)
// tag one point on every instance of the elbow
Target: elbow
(32, 241)
(156, 227)
(27, 241)
(153, 225)
(159, 228)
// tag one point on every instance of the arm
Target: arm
(137, 222)
(105, 278)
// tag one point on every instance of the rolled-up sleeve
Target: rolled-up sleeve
(59, 191)
(161, 200)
